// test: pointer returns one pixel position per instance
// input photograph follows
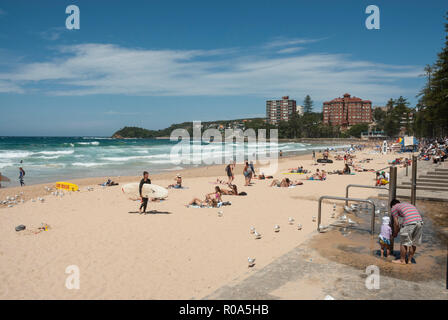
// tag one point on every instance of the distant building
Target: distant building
(383, 108)
(300, 110)
(280, 110)
(347, 111)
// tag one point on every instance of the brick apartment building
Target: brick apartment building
(280, 110)
(347, 111)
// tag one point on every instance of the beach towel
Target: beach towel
(293, 173)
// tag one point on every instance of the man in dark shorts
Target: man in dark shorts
(410, 230)
(229, 172)
(143, 199)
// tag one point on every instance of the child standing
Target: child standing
(384, 236)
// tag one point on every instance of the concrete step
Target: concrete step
(426, 198)
(425, 176)
(440, 181)
(427, 184)
(437, 173)
(441, 170)
(424, 188)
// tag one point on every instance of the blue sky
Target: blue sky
(154, 63)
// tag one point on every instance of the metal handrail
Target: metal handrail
(319, 217)
(361, 186)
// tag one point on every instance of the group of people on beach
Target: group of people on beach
(434, 149)
(404, 219)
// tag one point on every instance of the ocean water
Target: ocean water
(48, 159)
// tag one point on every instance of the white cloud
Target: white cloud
(290, 50)
(281, 42)
(88, 69)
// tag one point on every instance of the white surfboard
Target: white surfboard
(384, 147)
(148, 190)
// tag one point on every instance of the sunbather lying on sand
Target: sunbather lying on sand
(233, 191)
(109, 183)
(298, 170)
(262, 177)
(318, 175)
(285, 183)
(206, 203)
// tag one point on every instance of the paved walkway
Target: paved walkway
(303, 273)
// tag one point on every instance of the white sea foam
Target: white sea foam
(6, 154)
(93, 143)
(89, 164)
(56, 152)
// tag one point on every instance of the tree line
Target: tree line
(432, 108)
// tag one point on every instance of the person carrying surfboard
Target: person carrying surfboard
(143, 199)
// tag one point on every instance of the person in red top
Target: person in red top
(410, 230)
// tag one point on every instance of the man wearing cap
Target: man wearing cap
(410, 230)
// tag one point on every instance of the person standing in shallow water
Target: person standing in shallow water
(21, 176)
(143, 199)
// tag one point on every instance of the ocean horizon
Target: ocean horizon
(49, 159)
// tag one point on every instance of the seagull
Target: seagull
(291, 220)
(220, 213)
(251, 262)
(343, 218)
(348, 209)
(276, 228)
(323, 228)
(257, 235)
(314, 218)
(350, 221)
(299, 226)
(252, 230)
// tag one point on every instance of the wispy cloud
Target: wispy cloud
(290, 50)
(89, 69)
(52, 34)
(2, 12)
(281, 42)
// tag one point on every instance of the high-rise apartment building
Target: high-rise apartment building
(347, 111)
(280, 110)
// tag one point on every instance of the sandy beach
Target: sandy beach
(174, 252)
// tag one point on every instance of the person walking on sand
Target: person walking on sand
(247, 172)
(252, 168)
(21, 176)
(144, 200)
(229, 172)
(314, 156)
(410, 231)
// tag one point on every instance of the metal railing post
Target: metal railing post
(414, 180)
(392, 183)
